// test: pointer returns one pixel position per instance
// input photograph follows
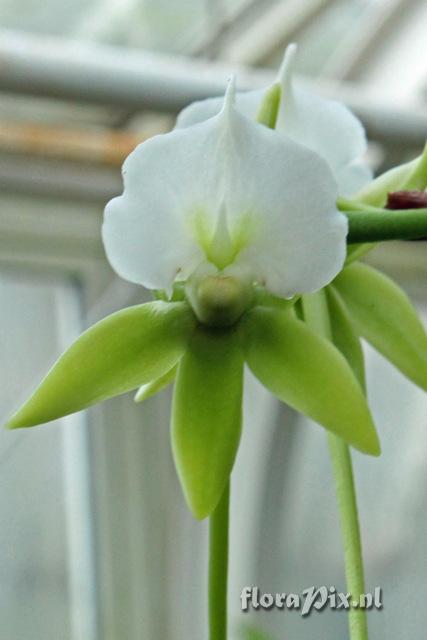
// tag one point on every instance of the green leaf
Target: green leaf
(344, 335)
(150, 389)
(126, 349)
(384, 315)
(206, 416)
(308, 373)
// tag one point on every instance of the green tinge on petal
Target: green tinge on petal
(384, 315)
(126, 349)
(206, 416)
(150, 389)
(344, 335)
(308, 373)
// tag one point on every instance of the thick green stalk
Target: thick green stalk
(316, 315)
(218, 568)
(378, 224)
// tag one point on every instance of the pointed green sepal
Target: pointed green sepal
(206, 416)
(150, 389)
(308, 373)
(384, 315)
(126, 349)
(344, 335)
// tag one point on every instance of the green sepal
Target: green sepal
(150, 389)
(207, 416)
(325, 313)
(126, 349)
(307, 372)
(344, 335)
(384, 315)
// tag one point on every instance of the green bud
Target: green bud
(409, 176)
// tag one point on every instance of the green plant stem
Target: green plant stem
(344, 484)
(377, 225)
(218, 568)
(316, 314)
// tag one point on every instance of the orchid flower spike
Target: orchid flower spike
(324, 126)
(226, 218)
(226, 197)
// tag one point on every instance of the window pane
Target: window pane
(40, 492)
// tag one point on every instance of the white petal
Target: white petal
(247, 102)
(233, 191)
(148, 232)
(144, 230)
(146, 243)
(298, 237)
(325, 126)
(281, 197)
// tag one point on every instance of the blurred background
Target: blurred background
(95, 539)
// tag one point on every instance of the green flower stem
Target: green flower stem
(346, 495)
(377, 225)
(316, 315)
(218, 568)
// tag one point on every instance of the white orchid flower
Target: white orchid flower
(324, 126)
(228, 196)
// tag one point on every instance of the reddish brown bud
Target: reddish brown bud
(407, 200)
